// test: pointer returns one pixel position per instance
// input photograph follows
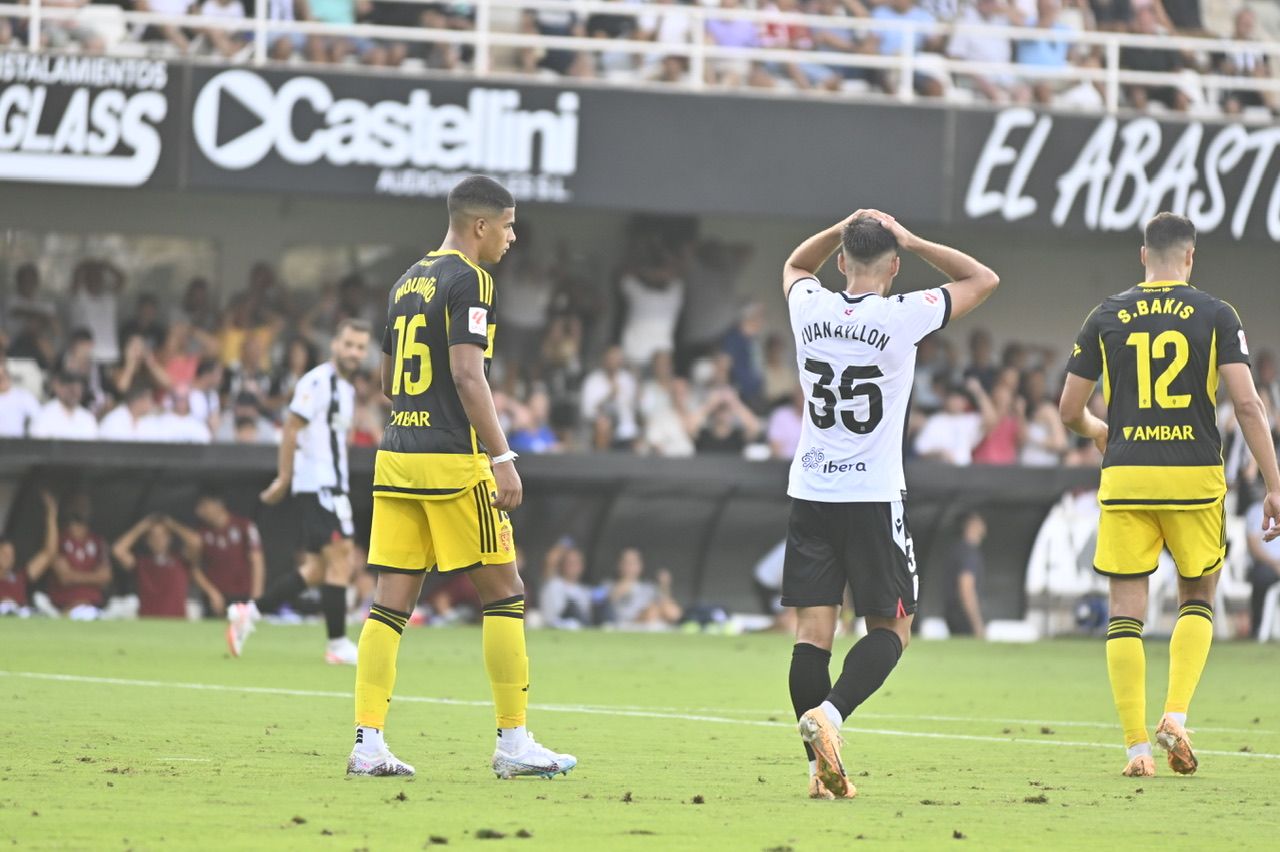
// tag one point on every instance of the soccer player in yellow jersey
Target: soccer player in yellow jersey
(1160, 349)
(445, 479)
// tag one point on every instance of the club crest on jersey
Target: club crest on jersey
(812, 459)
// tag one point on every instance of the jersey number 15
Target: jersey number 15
(822, 408)
(407, 347)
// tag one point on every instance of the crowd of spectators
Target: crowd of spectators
(671, 22)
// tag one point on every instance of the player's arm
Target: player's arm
(466, 364)
(191, 544)
(257, 570)
(811, 254)
(122, 550)
(1252, 417)
(1076, 416)
(216, 601)
(972, 282)
(279, 487)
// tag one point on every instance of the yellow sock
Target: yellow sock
(505, 659)
(1127, 669)
(376, 664)
(1188, 650)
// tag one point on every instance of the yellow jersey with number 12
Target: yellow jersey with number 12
(429, 449)
(1156, 348)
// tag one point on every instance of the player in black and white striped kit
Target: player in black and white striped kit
(313, 465)
(856, 353)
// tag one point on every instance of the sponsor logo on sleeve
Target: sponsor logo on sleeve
(478, 322)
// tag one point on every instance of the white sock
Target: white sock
(252, 605)
(813, 768)
(832, 713)
(1139, 748)
(513, 740)
(1180, 718)
(369, 740)
(334, 644)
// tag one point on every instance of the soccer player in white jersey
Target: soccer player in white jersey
(313, 464)
(856, 350)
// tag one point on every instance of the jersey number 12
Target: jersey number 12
(822, 408)
(1146, 350)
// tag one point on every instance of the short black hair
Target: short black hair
(354, 324)
(479, 196)
(80, 335)
(210, 492)
(866, 240)
(207, 365)
(1168, 230)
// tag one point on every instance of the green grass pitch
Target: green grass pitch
(155, 738)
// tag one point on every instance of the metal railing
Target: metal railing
(700, 54)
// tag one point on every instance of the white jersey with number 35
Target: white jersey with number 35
(857, 358)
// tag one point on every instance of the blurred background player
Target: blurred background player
(81, 571)
(313, 464)
(444, 480)
(1161, 347)
(231, 567)
(17, 584)
(848, 526)
(965, 568)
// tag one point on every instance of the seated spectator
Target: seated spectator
(245, 424)
(231, 566)
(18, 406)
(17, 584)
(226, 43)
(451, 599)
(725, 424)
(1005, 421)
(1245, 63)
(728, 32)
(950, 435)
(63, 418)
(1087, 95)
(132, 419)
(176, 37)
(982, 365)
(1156, 60)
(784, 427)
(162, 566)
(197, 307)
(609, 403)
(972, 46)
(77, 359)
(204, 398)
(1264, 567)
(779, 371)
(69, 33)
(888, 41)
(965, 569)
(602, 25)
(833, 39)
(81, 572)
(632, 601)
(555, 22)
(299, 359)
(1112, 15)
(664, 408)
(1046, 51)
(139, 369)
(33, 340)
(743, 346)
(26, 301)
(563, 600)
(336, 48)
(531, 432)
(1045, 441)
(672, 25)
(145, 323)
(179, 357)
(178, 425)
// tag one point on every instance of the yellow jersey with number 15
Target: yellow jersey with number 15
(1156, 348)
(429, 449)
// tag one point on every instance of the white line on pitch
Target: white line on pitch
(589, 710)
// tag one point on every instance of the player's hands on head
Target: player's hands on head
(510, 488)
(275, 492)
(1271, 516)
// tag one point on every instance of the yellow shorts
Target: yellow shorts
(413, 536)
(1130, 541)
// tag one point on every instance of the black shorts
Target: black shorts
(866, 546)
(326, 518)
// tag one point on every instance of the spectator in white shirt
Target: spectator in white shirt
(95, 296)
(131, 420)
(179, 425)
(226, 42)
(951, 434)
(972, 46)
(672, 25)
(609, 403)
(664, 407)
(63, 418)
(18, 406)
(565, 603)
(652, 297)
(203, 399)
